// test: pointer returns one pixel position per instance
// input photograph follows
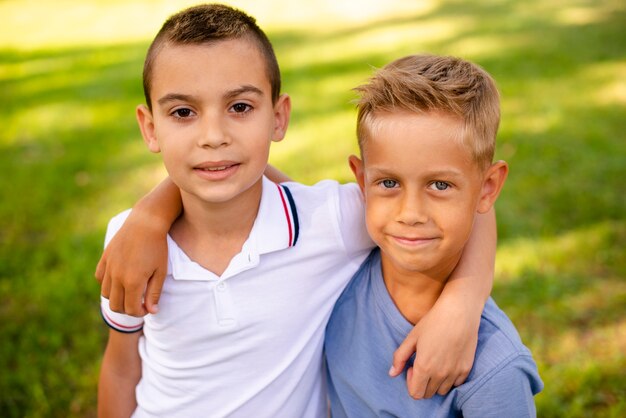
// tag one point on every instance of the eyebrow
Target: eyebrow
(446, 173)
(449, 173)
(247, 88)
(172, 97)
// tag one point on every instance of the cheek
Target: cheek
(459, 226)
(377, 214)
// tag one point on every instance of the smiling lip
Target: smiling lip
(218, 170)
(413, 241)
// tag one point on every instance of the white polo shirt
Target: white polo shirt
(249, 343)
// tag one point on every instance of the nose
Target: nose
(413, 210)
(214, 133)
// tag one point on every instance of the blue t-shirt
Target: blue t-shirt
(366, 328)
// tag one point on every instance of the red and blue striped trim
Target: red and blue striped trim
(119, 327)
(289, 206)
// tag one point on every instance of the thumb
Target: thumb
(101, 267)
(153, 291)
(403, 354)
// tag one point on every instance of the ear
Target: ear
(356, 165)
(492, 184)
(282, 112)
(146, 125)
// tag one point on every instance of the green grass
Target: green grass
(71, 157)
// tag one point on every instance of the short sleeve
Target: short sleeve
(117, 321)
(352, 220)
(508, 392)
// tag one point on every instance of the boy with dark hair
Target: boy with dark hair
(426, 127)
(254, 268)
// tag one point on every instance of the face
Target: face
(422, 190)
(213, 119)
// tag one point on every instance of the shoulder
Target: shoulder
(502, 363)
(329, 207)
(497, 336)
(321, 192)
(498, 340)
(507, 391)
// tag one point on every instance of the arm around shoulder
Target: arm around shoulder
(453, 321)
(135, 260)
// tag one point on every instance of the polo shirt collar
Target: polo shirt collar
(275, 228)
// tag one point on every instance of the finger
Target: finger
(153, 291)
(461, 379)
(432, 387)
(445, 386)
(133, 301)
(416, 383)
(116, 297)
(403, 354)
(101, 269)
(105, 286)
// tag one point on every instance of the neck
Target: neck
(211, 234)
(413, 292)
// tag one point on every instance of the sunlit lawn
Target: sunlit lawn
(71, 157)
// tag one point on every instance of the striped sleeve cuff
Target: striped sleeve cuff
(117, 321)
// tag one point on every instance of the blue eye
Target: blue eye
(389, 184)
(440, 185)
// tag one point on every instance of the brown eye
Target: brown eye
(240, 107)
(182, 113)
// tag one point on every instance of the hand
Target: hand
(444, 342)
(133, 264)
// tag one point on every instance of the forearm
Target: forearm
(160, 207)
(275, 174)
(136, 256)
(119, 376)
(445, 338)
(472, 279)
(116, 396)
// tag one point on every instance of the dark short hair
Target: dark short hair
(210, 23)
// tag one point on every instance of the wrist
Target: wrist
(466, 303)
(149, 220)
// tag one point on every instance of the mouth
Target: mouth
(218, 170)
(215, 165)
(413, 241)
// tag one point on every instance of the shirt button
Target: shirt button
(221, 287)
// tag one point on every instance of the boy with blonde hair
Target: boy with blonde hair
(253, 268)
(426, 128)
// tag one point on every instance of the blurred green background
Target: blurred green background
(72, 157)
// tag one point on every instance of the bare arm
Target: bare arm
(275, 174)
(135, 261)
(119, 375)
(445, 339)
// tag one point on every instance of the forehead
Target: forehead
(411, 142)
(225, 63)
